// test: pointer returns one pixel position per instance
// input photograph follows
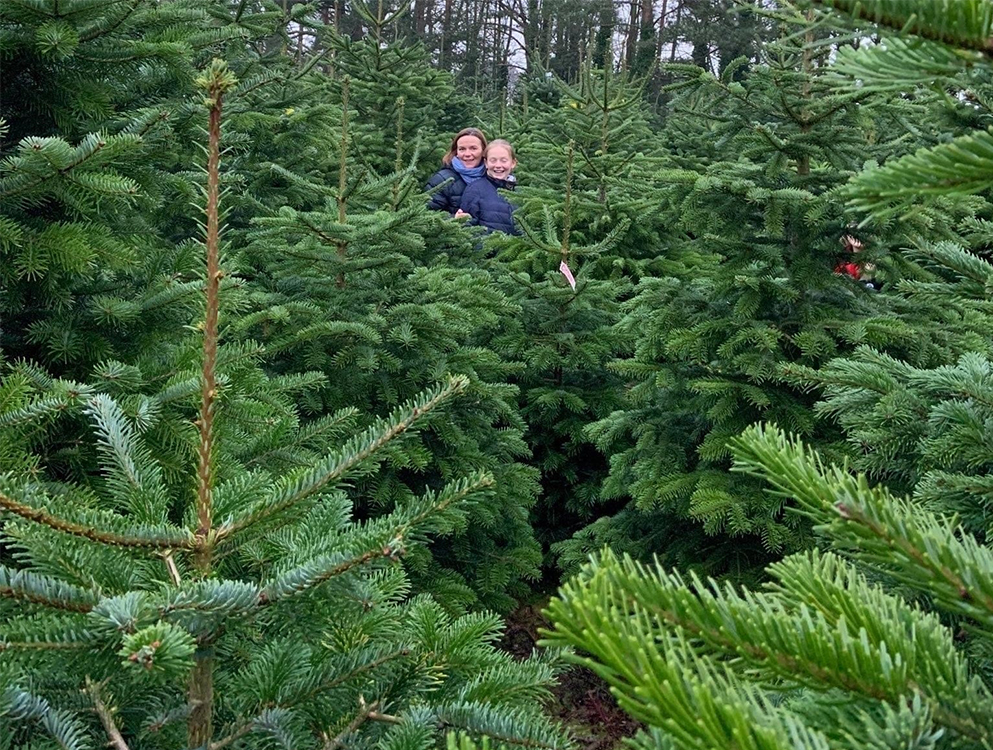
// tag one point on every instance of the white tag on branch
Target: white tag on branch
(564, 268)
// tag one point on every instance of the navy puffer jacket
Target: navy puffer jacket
(449, 198)
(487, 207)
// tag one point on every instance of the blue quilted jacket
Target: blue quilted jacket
(449, 198)
(487, 207)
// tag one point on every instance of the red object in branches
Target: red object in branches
(851, 269)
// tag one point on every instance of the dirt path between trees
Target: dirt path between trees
(581, 699)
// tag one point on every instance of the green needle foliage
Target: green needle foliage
(883, 638)
(586, 199)
(92, 93)
(947, 50)
(353, 278)
(750, 193)
(594, 140)
(923, 430)
(823, 656)
(175, 575)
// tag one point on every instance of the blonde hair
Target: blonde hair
(501, 142)
(453, 150)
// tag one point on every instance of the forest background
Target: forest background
(280, 446)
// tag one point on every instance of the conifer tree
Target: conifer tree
(750, 192)
(75, 159)
(586, 161)
(883, 639)
(827, 655)
(563, 337)
(354, 278)
(910, 426)
(95, 167)
(394, 88)
(922, 430)
(247, 607)
(602, 121)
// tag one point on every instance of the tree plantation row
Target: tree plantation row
(280, 446)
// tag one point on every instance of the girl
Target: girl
(462, 165)
(482, 202)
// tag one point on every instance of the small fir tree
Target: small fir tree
(248, 607)
(751, 192)
(395, 88)
(356, 279)
(585, 211)
(831, 654)
(598, 131)
(563, 337)
(74, 158)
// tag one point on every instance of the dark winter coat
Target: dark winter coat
(449, 198)
(487, 207)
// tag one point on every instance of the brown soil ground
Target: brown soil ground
(582, 701)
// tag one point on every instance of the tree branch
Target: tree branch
(343, 464)
(333, 743)
(170, 563)
(106, 717)
(42, 516)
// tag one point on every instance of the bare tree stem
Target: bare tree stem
(106, 717)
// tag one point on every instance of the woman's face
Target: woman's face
(499, 163)
(469, 149)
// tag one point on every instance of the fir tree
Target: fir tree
(69, 233)
(96, 167)
(248, 607)
(585, 210)
(598, 131)
(750, 192)
(831, 654)
(563, 337)
(922, 430)
(394, 88)
(354, 278)
(825, 656)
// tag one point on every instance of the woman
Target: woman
(463, 165)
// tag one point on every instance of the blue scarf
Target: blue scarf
(469, 176)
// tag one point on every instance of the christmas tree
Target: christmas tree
(357, 280)
(882, 638)
(161, 602)
(750, 194)
(585, 210)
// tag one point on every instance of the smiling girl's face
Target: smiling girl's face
(500, 162)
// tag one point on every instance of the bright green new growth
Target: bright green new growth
(855, 664)
(949, 39)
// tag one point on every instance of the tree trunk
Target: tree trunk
(658, 31)
(631, 42)
(420, 18)
(645, 57)
(447, 33)
(607, 21)
(675, 40)
(532, 30)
